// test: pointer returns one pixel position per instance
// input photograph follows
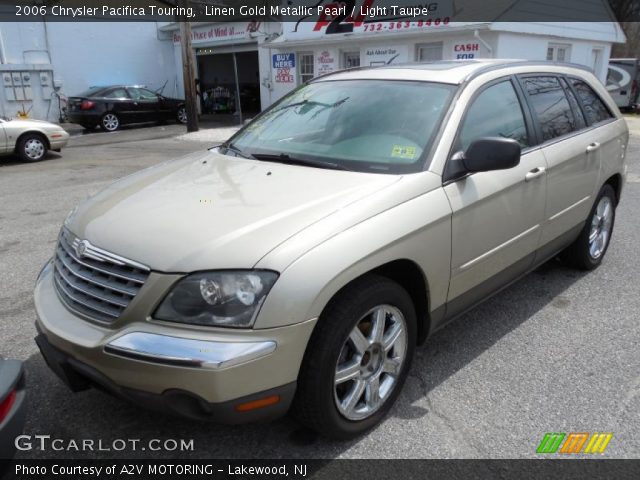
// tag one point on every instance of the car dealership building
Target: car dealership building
(277, 57)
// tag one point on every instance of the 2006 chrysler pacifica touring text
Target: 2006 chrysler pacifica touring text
(299, 264)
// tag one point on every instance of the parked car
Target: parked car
(12, 405)
(622, 81)
(300, 263)
(116, 105)
(30, 139)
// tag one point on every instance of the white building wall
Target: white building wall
(79, 55)
(534, 47)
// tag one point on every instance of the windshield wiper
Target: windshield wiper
(289, 160)
(237, 151)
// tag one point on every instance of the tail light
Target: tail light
(634, 88)
(5, 406)
(87, 105)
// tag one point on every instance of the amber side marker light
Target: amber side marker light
(260, 403)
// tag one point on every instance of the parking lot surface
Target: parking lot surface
(556, 352)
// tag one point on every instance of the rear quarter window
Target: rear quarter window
(594, 106)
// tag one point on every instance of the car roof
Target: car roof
(448, 71)
(104, 87)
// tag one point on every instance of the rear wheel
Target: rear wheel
(357, 359)
(587, 252)
(181, 115)
(32, 147)
(110, 122)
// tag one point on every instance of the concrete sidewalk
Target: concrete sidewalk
(634, 124)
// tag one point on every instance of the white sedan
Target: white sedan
(31, 139)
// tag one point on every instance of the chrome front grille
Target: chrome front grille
(93, 282)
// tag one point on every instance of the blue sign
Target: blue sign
(284, 60)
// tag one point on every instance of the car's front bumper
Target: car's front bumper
(198, 372)
(57, 139)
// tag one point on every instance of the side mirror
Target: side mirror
(487, 154)
(483, 155)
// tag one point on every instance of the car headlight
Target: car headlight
(220, 299)
(71, 216)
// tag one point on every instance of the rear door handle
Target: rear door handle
(593, 147)
(535, 173)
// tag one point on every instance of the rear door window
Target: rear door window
(575, 105)
(550, 105)
(595, 108)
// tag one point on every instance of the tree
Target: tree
(627, 12)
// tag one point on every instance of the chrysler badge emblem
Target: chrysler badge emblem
(81, 247)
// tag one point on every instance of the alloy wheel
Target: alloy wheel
(110, 122)
(370, 362)
(601, 224)
(182, 115)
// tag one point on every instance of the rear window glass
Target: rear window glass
(91, 92)
(595, 108)
(117, 93)
(551, 106)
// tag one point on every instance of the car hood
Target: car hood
(210, 211)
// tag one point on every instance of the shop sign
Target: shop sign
(464, 51)
(378, 56)
(326, 62)
(220, 32)
(284, 65)
(284, 60)
(369, 16)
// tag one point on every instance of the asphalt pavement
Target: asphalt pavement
(558, 351)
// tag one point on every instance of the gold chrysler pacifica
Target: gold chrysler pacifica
(298, 265)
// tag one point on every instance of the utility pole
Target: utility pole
(190, 95)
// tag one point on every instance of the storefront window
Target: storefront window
(558, 52)
(306, 66)
(429, 52)
(351, 59)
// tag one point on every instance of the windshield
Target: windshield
(362, 125)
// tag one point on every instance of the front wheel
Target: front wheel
(587, 252)
(32, 147)
(357, 359)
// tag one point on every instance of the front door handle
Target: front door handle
(535, 173)
(593, 147)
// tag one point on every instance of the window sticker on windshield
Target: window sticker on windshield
(399, 151)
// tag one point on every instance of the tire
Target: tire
(181, 114)
(109, 122)
(586, 254)
(32, 147)
(321, 401)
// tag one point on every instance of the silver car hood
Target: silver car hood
(210, 211)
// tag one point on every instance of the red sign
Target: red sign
(283, 75)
